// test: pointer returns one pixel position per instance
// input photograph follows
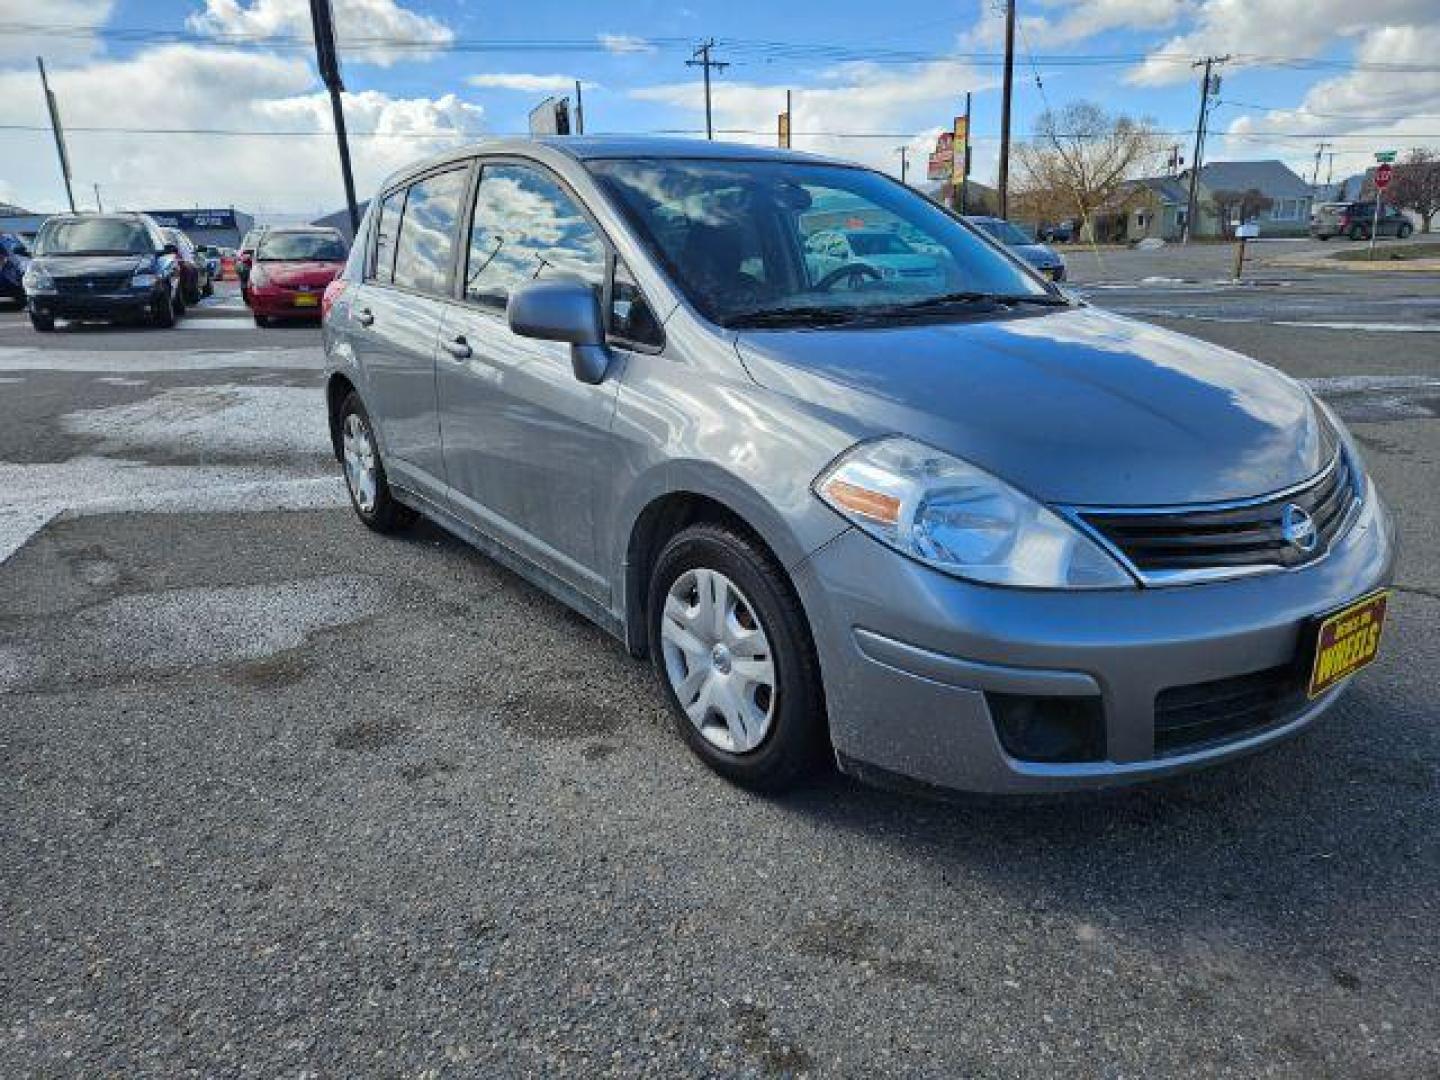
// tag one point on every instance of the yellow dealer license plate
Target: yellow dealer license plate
(306, 299)
(1347, 641)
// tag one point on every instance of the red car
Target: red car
(290, 272)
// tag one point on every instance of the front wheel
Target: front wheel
(365, 472)
(732, 648)
(164, 314)
(42, 323)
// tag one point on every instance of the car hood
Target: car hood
(83, 266)
(301, 273)
(1073, 405)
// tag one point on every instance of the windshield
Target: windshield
(747, 240)
(1005, 232)
(301, 247)
(93, 236)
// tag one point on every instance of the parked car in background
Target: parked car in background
(103, 267)
(1045, 259)
(14, 261)
(290, 271)
(244, 256)
(880, 254)
(1357, 219)
(971, 533)
(1060, 233)
(195, 277)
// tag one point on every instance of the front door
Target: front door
(524, 440)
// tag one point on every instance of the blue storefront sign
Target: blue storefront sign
(186, 220)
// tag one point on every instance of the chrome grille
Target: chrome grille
(1165, 545)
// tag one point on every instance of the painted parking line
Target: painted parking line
(217, 323)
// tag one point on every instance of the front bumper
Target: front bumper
(909, 655)
(97, 305)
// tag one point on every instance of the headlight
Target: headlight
(143, 280)
(960, 519)
(37, 280)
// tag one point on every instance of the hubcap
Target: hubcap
(359, 452)
(718, 660)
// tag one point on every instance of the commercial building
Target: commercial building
(220, 228)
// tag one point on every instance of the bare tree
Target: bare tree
(1415, 185)
(1081, 156)
(1238, 206)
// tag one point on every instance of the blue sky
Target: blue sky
(897, 70)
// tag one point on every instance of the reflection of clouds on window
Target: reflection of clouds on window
(423, 251)
(526, 227)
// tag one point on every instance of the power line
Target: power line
(701, 59)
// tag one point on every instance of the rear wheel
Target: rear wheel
(43, 323)
(365, 472)
(732, 648)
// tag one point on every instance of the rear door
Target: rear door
(524, 439)
(396, 321)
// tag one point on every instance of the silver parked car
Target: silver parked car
(957, 529)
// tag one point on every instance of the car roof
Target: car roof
(583, 148)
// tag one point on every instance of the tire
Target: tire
(164, 315)
(783, 721)
(1357, 232)
(374, 506)
(209, 289)
(263, 321)
(1323, 238)
(1404, 231)
(43, 323)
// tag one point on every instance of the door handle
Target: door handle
(364, 316)
(459, 348)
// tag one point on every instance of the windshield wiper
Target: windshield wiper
(946, 299)
(793, 316)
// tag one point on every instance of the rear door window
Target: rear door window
(426, 245)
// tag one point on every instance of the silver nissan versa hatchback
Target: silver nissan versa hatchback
(931, 516)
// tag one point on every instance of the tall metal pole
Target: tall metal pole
(99, 206)
(1004, 179)
(1196, 158)
(328, 62)
(54, 107)
(579, 110)
(965, 161)
(701, 59)
(904, 152)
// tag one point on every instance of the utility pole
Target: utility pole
(1330, 168)
(54, 107)
(1004, 178)
(904, 152)
(329, 64)
(1208, 88)
(99, 206)
(1320, 149)
(579, 110)
(701, 59)
(964, 151)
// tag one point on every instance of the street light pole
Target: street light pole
(1004, 178)
(59, 132)
(328, 62)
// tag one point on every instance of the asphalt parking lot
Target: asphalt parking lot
(284, 797)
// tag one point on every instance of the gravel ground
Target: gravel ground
(281, 797)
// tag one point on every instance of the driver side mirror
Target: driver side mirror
(563, 309)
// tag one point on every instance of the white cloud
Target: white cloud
(1065, 23)
(1251, 29)
(211, 88)
(357, 22)
(1370, 111)
(83, 15)
(525, 83)
(915, 102)
(625, 43)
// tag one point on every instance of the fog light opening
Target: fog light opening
(1049, 730)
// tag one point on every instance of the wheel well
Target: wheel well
(336, 391)
(652, 530)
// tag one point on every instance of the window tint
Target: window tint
(383, 269)
(427, 233)
(630, 316)
(525, 227)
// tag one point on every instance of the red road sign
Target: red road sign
(1382, 176)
